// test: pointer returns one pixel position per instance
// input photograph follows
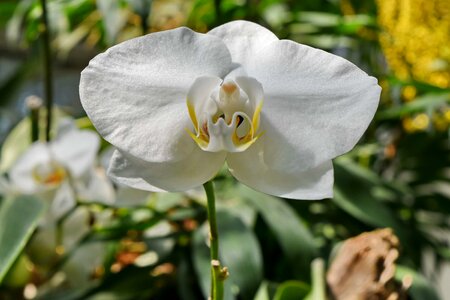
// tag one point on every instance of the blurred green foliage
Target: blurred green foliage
(396, 177)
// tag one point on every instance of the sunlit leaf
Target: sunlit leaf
(13, 27)
(114, 18)
(19, 139)
(18, 219)
(420, 104)
(318, 289)
(263, 292)
(421, 288)
(292, 290)
(320, 18)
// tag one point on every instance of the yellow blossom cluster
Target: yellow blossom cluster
(416, 39)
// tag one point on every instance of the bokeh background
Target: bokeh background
(118, 243)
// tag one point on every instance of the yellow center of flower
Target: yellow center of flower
(49, 174)
(225, 117)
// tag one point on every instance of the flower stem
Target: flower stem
(34, 105)
(48, 87)
(218, 274)
(218, 11)
(318, 279)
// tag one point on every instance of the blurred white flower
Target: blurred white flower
(46, 165)
(316, 107)
(62, 170)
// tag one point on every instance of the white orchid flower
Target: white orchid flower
(57, 170)
(178, 104)
(46, 165)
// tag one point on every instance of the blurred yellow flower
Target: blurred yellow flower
(415, 38)
(420, 122)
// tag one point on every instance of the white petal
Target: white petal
(197, 168)
(135, 93)
(316, 106)
(63, 202)
(243, 39)
(127, 196)
(76, 150)
(252, 88)
(65, 125)
(21, 173)
(199, 99)
(95, 187)
(252, 168)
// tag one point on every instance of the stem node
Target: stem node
(218, 274)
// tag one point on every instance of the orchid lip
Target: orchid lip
(223, 115)
(49, 174)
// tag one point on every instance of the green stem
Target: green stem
(318, 279)
(218, 11)
(218, 274)
(34, 105)
(34, 116)
(48, 87)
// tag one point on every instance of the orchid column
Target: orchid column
(178, 104)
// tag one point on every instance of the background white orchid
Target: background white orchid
(316, 107)
(46, 165)
(62, 170)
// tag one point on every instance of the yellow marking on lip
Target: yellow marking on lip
(201, 142)
(192, 115)
(256, 115)
(52, 179)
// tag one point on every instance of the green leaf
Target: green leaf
(318, 289)
(263, 292)
(15, 144)
(241, 253)
(292, 290)
(354, 193)
(19, 139)
(7, 9)
(114, 18)
(294, 237)
(13, 27)
(18, 219)
(322, 19)
(421, 288)
(202, 264)
(420, 104)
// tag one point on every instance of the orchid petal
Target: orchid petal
(76, 150)
(95, 187)
(198, 95)
(316, 105)
(135, 92)
(21, 173)
(63, 201)
(243, 39)
(65, 125)
(251, 168)
(194, 170)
